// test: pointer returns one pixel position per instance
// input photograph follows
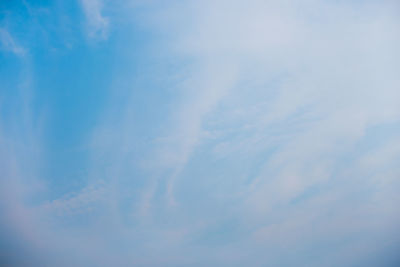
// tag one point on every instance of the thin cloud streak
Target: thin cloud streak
(97, 24)
(9, 44)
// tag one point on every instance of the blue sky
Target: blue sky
(199, 133)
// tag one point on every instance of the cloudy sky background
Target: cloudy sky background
(200, 133)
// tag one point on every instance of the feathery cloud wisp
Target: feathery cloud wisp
(8, 43)
(97, 24)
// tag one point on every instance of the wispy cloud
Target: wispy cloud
(97, 24)
(8, 43)
(276, 103)
(278, 144)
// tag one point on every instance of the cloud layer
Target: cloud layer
(235, 133)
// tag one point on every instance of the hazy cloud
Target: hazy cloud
(97, 24)
(278, 145)
(8, 43)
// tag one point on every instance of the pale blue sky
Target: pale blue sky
(199, 133)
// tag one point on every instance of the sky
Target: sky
(199, 133)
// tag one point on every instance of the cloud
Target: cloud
(20, 157)
(300, 64)
(278, 145)
(97, 24)
(83, 202)
(290, 90)
(275, 107)
(8, 43)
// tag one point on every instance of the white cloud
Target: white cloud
(343, 82)
(308, 81)
(268, 138)
(88, 200)
(97, 24)
(8, 43)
